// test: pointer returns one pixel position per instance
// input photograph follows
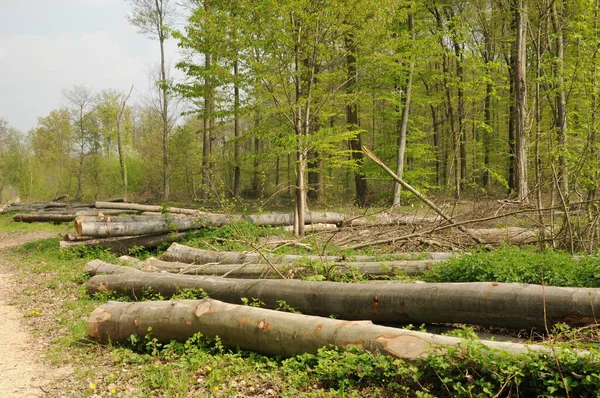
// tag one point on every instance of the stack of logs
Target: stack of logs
(120, 226)
(358, 306)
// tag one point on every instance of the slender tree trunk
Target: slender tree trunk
(401, 143)
(360, 182)
(521, 101)
(164, 107)
(487, 115)
(561, 101)
(206, 125)
(236, 132)
(122, 162)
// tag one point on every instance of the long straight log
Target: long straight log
(253, 271)
(152, 208)
(277, 219)
(265, 331)
(122, 244)
(185, 254)
(104, 227)
(507, 305)
(43, 217)
(64, 215)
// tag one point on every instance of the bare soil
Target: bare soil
(24, 371)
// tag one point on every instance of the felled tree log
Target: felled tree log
(253, 271)
(507, 305)
(392, 219)
(313, 227)
(185, 254)
(151, 208)
(312, 217)
(43, 217)
(509, 234)
(64, 215)
(122, 244)
(104, 227)
(265, 331)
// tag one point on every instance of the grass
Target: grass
(55, 305)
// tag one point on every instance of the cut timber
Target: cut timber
(151, 208)
(510, 234)
(104, 227)
(507, 305)
(313, 227)
(43, 217)
(122, 244)
(265, 331)
(191, 255)
(64, 215)
(312, 217)
(253, 271)
(392, 219)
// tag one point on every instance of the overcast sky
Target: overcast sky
(49, 45)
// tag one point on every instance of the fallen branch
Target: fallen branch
(123, 244)
(420, 196)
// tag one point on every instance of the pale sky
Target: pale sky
(49, 45)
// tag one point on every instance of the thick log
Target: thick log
(139, 207)
(97, 267)
(265, 331)
(507, 305)
(312, 217)
(392, 219)
(104, 227)
(185, 254)
(254, 271)
(313, 227)
(43, 217)
(122, 244)
(509, 234)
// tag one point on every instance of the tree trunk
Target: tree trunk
(120, 149)
(507, 305)
(123, 244)
(266, 332)
(521, 101)
(191, 255)
(44, 217)
(259, 271)
(561, 101)
(151, 208)
(360, 182)
(312, 217)
(236, 132)
(104, 227)
(401, 143)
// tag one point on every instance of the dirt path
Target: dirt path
(23, 372)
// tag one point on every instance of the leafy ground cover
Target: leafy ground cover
(54, 304)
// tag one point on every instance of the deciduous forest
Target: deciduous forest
(458, 97)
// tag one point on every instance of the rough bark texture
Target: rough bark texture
(507, 305)
(264, 331)
(104, 227)
(311, 217)
(253, 271)
(152, 208)
(191, 255)
(122, 244)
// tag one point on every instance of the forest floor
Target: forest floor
(24, 369)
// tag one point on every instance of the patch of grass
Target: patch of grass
(7, 225)
(509, 264)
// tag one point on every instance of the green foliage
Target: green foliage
(523, 266)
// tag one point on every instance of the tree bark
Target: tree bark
(521, 101)
(152, 208)
(266, 332)
(191, 255)
(104, 227)
(259, 271)
(401, 143)
(123, 244)
(311, 217)
(507, 305)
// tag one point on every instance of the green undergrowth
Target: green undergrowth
(509, 264)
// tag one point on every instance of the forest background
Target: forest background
(278, 97)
